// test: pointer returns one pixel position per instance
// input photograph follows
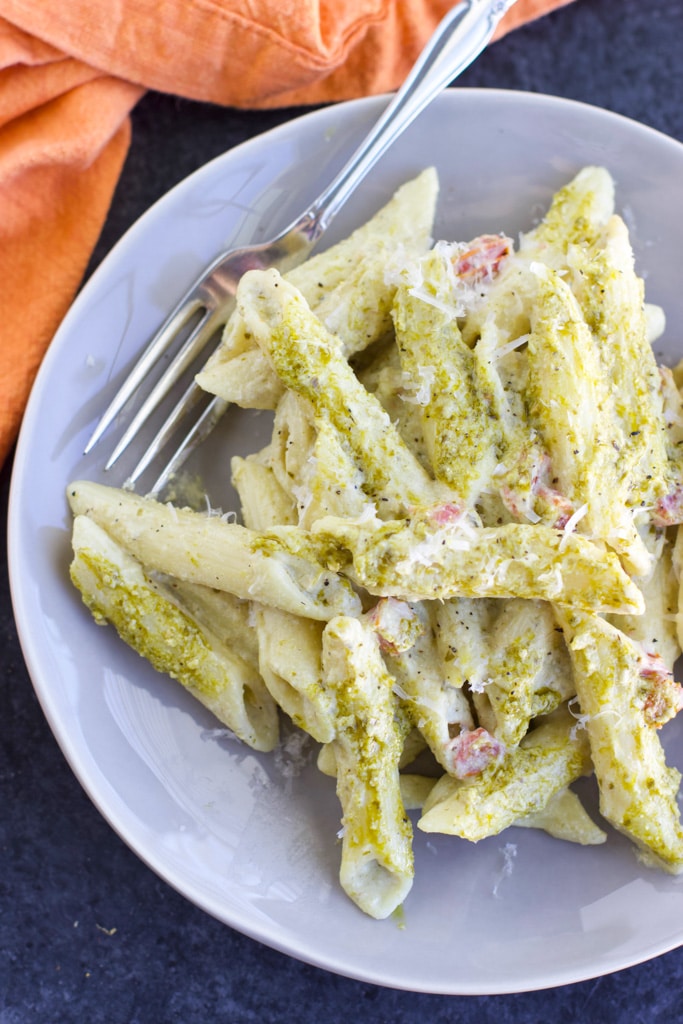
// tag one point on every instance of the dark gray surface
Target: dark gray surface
(87, 932)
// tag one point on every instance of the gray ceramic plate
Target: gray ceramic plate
(226, 827)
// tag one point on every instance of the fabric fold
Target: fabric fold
(59, 165)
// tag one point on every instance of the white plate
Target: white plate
(227, 827)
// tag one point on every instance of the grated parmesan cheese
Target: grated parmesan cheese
(509, 852)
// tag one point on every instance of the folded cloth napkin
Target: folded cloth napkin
(71, 73)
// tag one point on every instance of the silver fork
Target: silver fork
(458, 40)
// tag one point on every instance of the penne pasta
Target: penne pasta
(571, 403)
(276, 568)
(529, 671)
(513, 786)
(291, 667)
(377, 861)
(457, 566)
(565, 817)
(459, 417)
(289, 647)
(347, 286)
(624, 696)
(436, 708)
(150, 617)
(309, 360)
(448, 558)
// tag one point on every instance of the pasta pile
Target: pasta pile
(458, 550)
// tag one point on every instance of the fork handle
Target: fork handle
(460, 37)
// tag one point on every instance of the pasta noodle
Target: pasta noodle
(458, 566)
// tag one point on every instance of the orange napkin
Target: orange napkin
(69, 75)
